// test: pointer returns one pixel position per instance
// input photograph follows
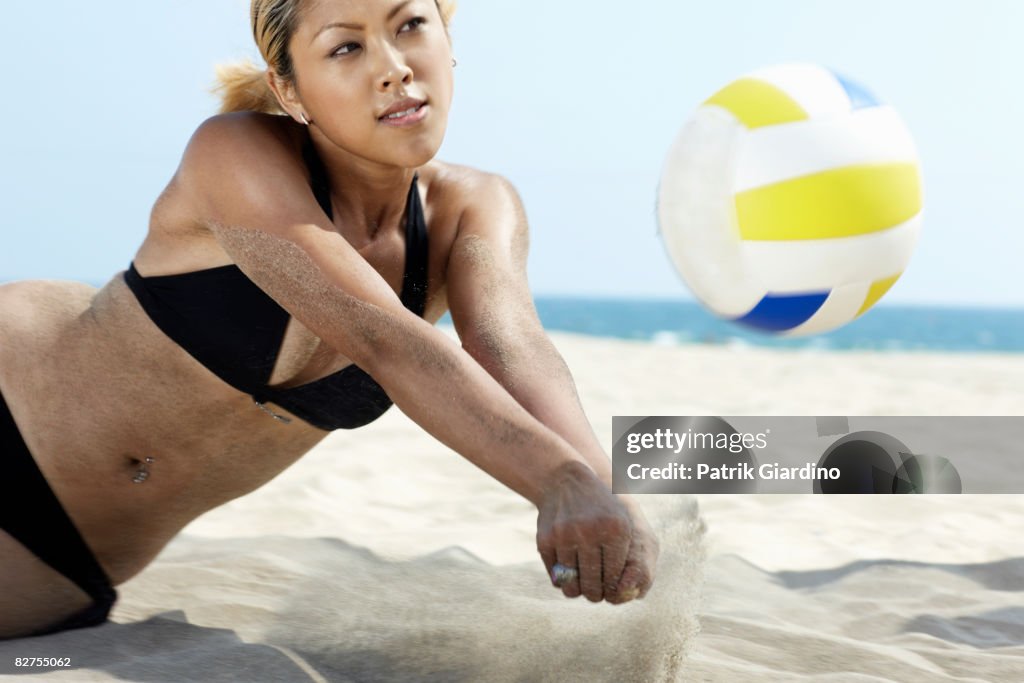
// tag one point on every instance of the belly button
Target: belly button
(142, 474)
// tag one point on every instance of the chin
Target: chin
(418, 154)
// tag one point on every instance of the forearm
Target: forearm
(535, 374)
(544, 386)
(441, 388)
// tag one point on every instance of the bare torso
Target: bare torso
(96, 387)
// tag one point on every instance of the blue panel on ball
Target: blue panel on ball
(778, 313)
(860, 97)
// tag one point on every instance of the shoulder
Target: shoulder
(243, 141)
(488, 227)
(243, 130)
(242, 158)
(481, 200)
(472, 186)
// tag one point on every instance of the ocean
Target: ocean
(883, 328)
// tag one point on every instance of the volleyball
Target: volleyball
(791, 200)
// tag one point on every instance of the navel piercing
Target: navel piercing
(143, 473)
(263, 406)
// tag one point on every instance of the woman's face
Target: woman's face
(358, 60)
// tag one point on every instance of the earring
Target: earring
(454, 63)
(306, 121)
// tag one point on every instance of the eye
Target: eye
(347, 48)
(412, 24)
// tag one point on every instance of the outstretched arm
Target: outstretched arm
(250, 191)
(496, 320)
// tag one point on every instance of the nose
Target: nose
(393, 69)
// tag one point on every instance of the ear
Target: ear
(287, 97)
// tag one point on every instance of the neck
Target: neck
(368, 198)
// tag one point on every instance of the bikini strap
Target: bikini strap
(417, 252)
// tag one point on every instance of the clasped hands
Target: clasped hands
(582, 525)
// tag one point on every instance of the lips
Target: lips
(403, 107)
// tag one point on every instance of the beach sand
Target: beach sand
(384, 556)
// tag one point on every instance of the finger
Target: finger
(590, 573)
(567, 556)
(648, 557)
(646, 576)
(628, 588)
(635, 578)
(640, 581)
(548, 556)
(625, 588)
(614, 557)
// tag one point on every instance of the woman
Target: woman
(288, 286)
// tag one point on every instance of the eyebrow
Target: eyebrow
(359, 27)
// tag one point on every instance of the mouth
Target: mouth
(404, 113)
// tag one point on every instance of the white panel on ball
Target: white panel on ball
(791, 200)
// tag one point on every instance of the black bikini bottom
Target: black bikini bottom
(31, 513)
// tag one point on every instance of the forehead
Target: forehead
(316, 13)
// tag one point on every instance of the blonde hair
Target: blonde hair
(243, 86)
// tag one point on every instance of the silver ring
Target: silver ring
(561, 575)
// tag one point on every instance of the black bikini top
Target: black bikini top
(231, 326)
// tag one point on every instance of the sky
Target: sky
(575, 102)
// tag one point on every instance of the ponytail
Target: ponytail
(243, 86)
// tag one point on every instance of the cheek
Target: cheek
(437, 69)
(343, 99)
(324, 83)
(438, 50)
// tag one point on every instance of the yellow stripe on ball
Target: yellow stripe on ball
(844, 202)
(757, 103)
(876, 291)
